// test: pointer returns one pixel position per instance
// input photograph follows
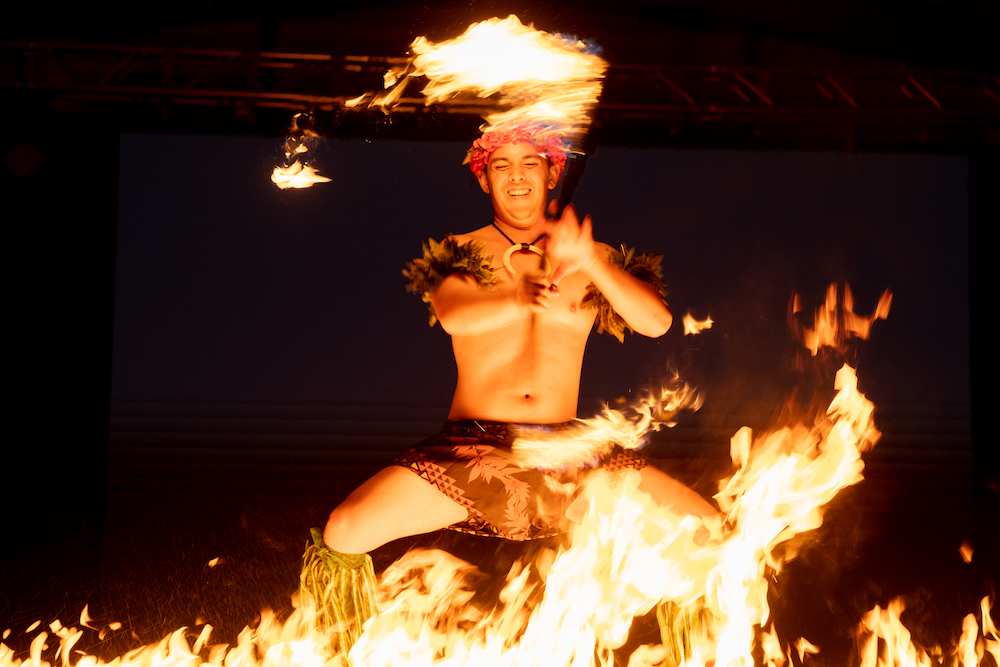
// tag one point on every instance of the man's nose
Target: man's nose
(516, 174)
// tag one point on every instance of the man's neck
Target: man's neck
(522, 233)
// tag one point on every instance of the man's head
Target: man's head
(517, 169)
(547, 143)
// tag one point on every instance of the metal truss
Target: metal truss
(909, 106)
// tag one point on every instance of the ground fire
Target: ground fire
(624, 555)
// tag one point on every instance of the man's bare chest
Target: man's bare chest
(567, 304)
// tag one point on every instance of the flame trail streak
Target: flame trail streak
(537, 78)
(541, 78)
(584, 444)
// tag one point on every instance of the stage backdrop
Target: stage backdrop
(264, 338)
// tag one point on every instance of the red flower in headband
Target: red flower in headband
(547, 143)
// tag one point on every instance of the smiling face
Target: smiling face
(518, 179)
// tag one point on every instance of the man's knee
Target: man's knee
(343, 530)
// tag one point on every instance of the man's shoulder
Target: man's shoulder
(475, 235)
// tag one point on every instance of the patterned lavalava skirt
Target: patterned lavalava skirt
(472, 463)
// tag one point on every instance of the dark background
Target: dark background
(203, 365)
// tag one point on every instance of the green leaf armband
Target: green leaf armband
(644, 266)
(440, 260)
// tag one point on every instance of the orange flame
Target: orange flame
(771, 646)
(836, 321)
(588, 439)
(804, 647)
(693, 326)
(991, 637)
(296, 172)
(783, 480)
(883, 641)
(540, 77)
(625, 554)
(297, 175)
(882, 627)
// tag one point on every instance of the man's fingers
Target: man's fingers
(557, 275)
(539, 301)
(534, 291)
(537, 278)
(569, 213)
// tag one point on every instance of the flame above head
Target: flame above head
(540, 78)
(693, 326)
(835, 320)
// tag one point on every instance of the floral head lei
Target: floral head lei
(547, 143)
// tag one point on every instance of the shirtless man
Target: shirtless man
(519, 349)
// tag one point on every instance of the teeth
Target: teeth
(518, 192)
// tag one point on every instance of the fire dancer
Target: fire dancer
(519, 327)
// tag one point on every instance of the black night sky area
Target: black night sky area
(226, 284)
(205, 365)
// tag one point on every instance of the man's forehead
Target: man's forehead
(516, 150)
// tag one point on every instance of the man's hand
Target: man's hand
(534, 291)
(570, 246)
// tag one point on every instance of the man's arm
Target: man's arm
(572, 248)
(639, 304)
(463, 309)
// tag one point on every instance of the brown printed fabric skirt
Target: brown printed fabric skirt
(471, 462)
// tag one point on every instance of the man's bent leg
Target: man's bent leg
(668, 492)
(337, 573)
(677, 624)
(394, 503)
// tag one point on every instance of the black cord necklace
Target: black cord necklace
(516, 247)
